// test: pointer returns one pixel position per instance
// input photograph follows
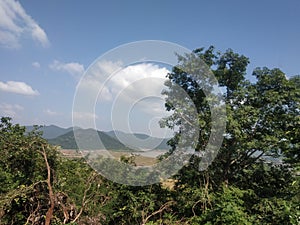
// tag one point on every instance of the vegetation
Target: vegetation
(85, 138)
(241, 186)
(65, 137)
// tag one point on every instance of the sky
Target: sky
(47, 46)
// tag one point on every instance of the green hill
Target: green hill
(64, 137)
(140, 141)
(52, 131)
(88, 139)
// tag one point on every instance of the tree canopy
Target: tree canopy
(254, 178)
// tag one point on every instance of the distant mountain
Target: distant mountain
(87, 139)
(140, 141)
(112, 139)
(52, 131)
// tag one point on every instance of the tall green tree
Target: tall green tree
(262, 117)
(26, 168)
(261, 138)
(38, 186)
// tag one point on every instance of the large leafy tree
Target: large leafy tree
(261, 138)
(26, 166)
(262, 117)
(38, 186)
(252, 180)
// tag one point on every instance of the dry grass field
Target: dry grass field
(139, 159)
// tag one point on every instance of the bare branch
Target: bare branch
(49, 213)
(162, 208)
(84, 198)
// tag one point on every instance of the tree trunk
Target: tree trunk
(49, 213)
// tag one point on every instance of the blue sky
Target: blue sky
(45, 46)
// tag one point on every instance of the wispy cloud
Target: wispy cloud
(141, 80)
(16, 23)
(84, 119)
(10, 110)
(49, 112)
(36, 64)
(73, 68)
(109, 79)
(18, 88)
(94, 81)
(129, 92)
(84, 115)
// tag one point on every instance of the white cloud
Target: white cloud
(153, 105)
(10, 110)
(8, 40)
(16, 23)
(36, 64)
(84, 119)
(84, 115)
(39, 35)
(72, 68)
(110, 79)
(18, 88)
(51, 113)
(94, 82)
(126, 96)
(139, 81)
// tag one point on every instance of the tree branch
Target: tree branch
(49, 213)
(162, 208)
(84, 198)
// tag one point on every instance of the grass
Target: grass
(139, 160)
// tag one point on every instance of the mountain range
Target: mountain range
(51, 131)
(88, 139)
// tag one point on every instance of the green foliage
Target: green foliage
(132, 205)
(23, 173)
(262, 124)
(253, 180)
(228, 207)
(86, 140)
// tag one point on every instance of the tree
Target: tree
(40, 187)
(26, 169)
(254, 178)
(262, 129)
(259, 115)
